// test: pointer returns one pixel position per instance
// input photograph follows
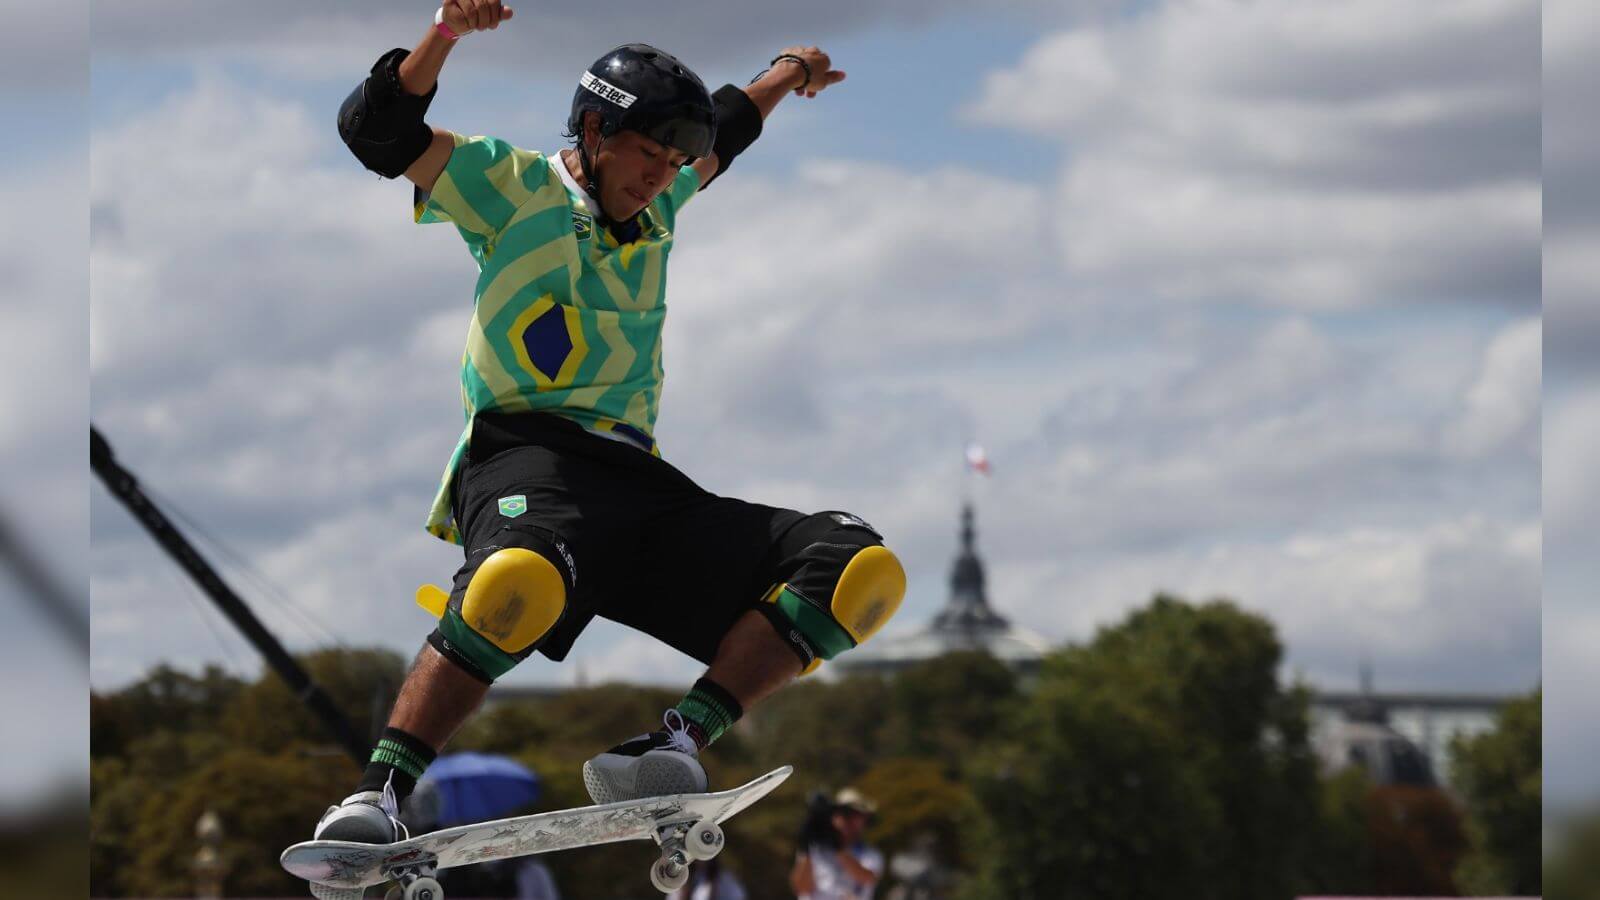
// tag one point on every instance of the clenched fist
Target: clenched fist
(465, 16)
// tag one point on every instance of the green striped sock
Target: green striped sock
(399, 758)
(710, 710)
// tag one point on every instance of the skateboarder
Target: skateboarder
(557, 491)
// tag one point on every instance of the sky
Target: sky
(44, 396)
(1571, 150)
(1242, 299)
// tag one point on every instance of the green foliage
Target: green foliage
(113, 814)
(1161, 760)
(43, 848)
(1500, 776)
(1340, 858)
(570, 724)
(1573, 869)
(265, 801)
(831, 732)
(166, 698)
(1094, 801)
(921, 805)
(268, 716)
(941, 708)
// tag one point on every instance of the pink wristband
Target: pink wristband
(438, 23)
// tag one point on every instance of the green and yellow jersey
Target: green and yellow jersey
(565, 320)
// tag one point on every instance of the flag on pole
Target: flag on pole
(977, 460)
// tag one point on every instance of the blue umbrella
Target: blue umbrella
(474, 787)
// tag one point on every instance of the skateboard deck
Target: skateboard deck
(341, 869)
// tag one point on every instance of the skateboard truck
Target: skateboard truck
(416, 882)
(683, 843)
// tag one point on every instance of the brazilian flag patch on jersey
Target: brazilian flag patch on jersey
(582, 225)
(513, 506)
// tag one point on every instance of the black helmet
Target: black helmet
(639, 88)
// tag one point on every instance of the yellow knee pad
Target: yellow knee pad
(513, 600)
(868, 593)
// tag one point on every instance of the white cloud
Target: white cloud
(1572, 276)
(49, 56)
(1454, 604)
(1502, 406)
(609, 652)
(1187, 234)
(839, 333)
(1571, 479)
(301, 39)
(219, 249)
(1571, 433)
(43, 452)
(1297, 155)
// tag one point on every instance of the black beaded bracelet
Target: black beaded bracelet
(803, 64)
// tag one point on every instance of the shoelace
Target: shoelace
(678, 735)
(391, 808)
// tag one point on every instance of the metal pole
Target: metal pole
(125, 488)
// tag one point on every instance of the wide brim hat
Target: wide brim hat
(855, 801)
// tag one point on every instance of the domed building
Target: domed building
(1398, 737)
(1366, 740)
(968, 622)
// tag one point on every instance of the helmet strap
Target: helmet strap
(625, 232)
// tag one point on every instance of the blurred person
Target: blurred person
(556, 490)
(710, 881)
(834, 861)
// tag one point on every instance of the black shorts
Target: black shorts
(643, 544)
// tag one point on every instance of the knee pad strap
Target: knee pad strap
(812, 631)
(513, 600)
(868, 593)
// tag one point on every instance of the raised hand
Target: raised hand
(465, 16)
(814, 75)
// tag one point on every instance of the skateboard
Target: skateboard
(685, 826)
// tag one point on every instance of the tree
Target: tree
(165, 699)
(1499, 774)
(831, 732)
(919, 802)
(1161, 760)
(1416, 840)
(941, 708)
(361, 682)
(266, 802)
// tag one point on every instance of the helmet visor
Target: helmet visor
(686, 135)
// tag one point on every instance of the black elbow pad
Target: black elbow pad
(738, 126)
(381, 123)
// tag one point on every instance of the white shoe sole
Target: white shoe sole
(634, 778)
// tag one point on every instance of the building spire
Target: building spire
(968, 607)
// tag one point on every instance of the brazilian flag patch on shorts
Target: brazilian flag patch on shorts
(513, 506)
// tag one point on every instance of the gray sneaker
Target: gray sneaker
(650, 765)
(368, 817)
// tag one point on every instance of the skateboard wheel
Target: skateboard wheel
(668, 876)
(704, 839)
(424, 889)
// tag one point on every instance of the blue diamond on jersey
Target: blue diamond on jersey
(547, 342)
